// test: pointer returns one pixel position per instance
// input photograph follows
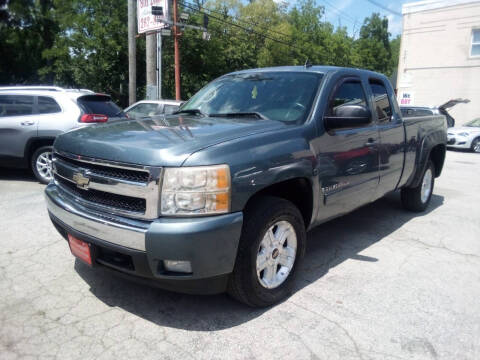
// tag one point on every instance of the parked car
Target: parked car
(145, 108)
(32, 116)
(465, 137)
(415, 111)
(220, 195)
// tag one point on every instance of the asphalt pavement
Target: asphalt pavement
(379, 283)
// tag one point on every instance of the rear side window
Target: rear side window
(97, 104)
(381, 101)
(170, 109)
(16, 105)
(350, 92)
(47, 105)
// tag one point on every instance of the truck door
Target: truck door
(349, 153)
(392, 136)
(17, 124)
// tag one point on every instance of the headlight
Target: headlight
(196, 190)
(464, 134)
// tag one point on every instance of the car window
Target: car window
(170, 109)
(16, 105)
(47, 105)
(381, 100)
(142, 110)
(98, 104)
(474, 123)
(350, 92)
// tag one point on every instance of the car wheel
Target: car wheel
(476, 145)
(270, 250)
(41, 164)
(417, 198)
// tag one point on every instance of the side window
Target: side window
(170, 109)
(47, 105)
(349, 93)
(381, 101)
(15, 105)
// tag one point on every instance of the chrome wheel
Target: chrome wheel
(44, 165)
(476, 146)
(276, 254)
(426, 185)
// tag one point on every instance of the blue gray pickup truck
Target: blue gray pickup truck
(219, 196)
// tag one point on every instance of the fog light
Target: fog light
(178, 266)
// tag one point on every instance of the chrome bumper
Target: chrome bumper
(110, 228)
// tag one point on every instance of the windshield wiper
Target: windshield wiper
(240, 114)
(190, 111)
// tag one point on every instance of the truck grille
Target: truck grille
(110, 187)
(103, 198)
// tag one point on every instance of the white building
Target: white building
(440, 55)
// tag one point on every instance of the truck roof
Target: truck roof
(322, 69)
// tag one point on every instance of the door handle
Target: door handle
(371, 142)
(27, 123)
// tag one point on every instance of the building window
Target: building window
(475, 43)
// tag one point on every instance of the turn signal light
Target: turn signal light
(93, 118)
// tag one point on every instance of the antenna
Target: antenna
(308, 63)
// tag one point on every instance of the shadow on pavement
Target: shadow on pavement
(7, 174)
(328, 246)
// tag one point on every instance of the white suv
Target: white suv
(32, 116)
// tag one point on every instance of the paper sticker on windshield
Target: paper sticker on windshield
(254, 92)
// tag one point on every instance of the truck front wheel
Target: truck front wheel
(271, 247)
(417, 198)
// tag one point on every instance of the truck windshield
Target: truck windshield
(283, 96)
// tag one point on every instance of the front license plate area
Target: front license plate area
(80, 249)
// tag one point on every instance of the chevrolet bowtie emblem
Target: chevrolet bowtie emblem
(81, 180)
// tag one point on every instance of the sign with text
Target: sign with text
(148, 22)
(405, 98)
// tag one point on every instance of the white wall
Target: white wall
(435, 63)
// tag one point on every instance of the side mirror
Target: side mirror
(347, 116)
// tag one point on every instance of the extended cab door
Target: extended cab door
(18, 124)
(392, 136)
(348, 155)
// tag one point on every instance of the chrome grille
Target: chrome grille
(122, 189)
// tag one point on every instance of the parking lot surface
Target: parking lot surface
(379, 283)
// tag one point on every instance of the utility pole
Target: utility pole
(177, 52)
(132, 53)
(151, 60)
(159, 65)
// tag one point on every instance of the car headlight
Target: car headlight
(464, 134)
(198, 190)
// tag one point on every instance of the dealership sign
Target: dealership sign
(405, 98)
(146, 20)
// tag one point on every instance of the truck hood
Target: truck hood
(159, 141)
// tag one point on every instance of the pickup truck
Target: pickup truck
(220, 195)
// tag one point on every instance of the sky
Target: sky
(351, 13)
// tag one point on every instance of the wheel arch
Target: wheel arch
(36, 143)
(297, 190)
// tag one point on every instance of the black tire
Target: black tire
(244, 284)
(412, 197)
(33, 164)
(475, 147)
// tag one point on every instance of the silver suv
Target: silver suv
(32, 116)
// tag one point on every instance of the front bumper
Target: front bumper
(458, 142)
(137, 248)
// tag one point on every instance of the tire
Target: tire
(255, 287)
(41, 164)
(417, 199)
(475, 147)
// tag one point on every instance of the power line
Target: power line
(191, 6)
(239, 26)
(384, 8)
(340, 13)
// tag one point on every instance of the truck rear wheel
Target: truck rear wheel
(271, 247)
(417, 198)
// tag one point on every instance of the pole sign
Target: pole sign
(146, 20)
